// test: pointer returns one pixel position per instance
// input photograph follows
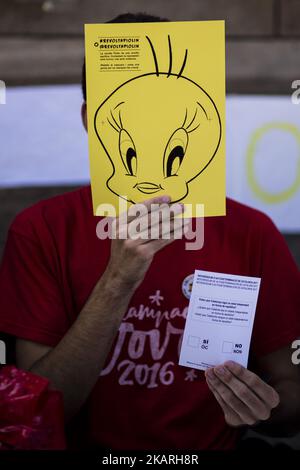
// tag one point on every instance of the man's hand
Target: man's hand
(131, 256)
(244, 398)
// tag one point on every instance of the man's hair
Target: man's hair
(124, 18)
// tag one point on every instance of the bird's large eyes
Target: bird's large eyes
(128, 152)
(175, 151)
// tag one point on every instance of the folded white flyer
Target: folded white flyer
(220, 320)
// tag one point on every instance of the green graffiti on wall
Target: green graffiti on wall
(264, 195)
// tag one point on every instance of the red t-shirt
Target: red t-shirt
(143, 398)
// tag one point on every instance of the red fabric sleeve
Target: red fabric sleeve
(277, 320)
(31, 301)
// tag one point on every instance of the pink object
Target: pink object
(31, 415)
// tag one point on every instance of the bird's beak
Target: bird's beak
(148, 188)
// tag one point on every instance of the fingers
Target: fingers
(161, 222)
(234, 402)
(136, 239)
(121, 223)
(146, 251)
(167, 228)
(258, 408)
(243, 393)
(231, 417)
(264, 391)
(150, 205)
(156, 245)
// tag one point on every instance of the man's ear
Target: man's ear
(84, 115)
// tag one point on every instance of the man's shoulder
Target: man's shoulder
(62, 208)
(242, 219)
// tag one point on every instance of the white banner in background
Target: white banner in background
(263, 156)
(42, 138)
(43, 142)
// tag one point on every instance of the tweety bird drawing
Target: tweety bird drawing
(182, 125)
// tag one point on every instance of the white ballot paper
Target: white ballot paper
(220, 320)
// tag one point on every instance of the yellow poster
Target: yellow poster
(156, 112)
